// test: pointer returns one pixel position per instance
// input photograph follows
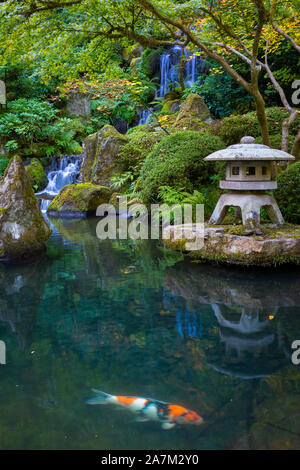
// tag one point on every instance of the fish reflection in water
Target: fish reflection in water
(148, 409)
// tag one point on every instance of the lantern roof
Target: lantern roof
(248, 150)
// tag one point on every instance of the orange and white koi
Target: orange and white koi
(148, 409)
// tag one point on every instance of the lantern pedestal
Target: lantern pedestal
(250, 204)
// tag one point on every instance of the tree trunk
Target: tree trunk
(285, 130)
(296, 147)
(262, 118)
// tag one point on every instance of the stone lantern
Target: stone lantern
(248, 177)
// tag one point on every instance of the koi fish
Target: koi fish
(149, 410)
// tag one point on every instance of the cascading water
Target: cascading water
(63, 170)
(169, 73)
(169, 68)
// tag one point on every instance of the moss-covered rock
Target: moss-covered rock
(101, 156)
(23, 230)
(174, 94)
(79, 200)
(37, 175)
(276, 246)
(171, 106)
(192, 114)
(288, 193)
(133, 63)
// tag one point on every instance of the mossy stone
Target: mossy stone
(101, 156)
(81, 198)
(23, 230)
(192, 115)
(37, 175)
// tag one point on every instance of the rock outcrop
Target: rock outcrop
(100, 156)
(193, 114)
(23, 230)
(79, 200)
(226, 244)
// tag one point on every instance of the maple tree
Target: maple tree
(52, 31)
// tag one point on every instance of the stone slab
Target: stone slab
(226, 244)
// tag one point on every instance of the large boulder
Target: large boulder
(100, 156)
(79, 200)
(23, 230)
(193, 114)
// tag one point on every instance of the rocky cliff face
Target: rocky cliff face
(23, 230)
(100, 156)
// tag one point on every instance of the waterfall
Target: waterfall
(62, 171)
(169, 68)
(145, 113)
(169, 73)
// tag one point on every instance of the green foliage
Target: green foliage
(232, 129)
(177, 198)
(288, 193)
(23, 83)
(121, 179)
(37, 175)
(34, 127)
(177, 161)
(222, 94)
(3, 165)
(149, 57)
(275, 140)
(140, 144)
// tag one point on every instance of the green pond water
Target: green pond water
(132, 318)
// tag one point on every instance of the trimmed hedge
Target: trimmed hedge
(232, 129)
(178, 161)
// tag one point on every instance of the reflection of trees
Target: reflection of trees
(21, 292)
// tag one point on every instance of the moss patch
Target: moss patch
(80, 198)
(276, 246)
(37, 175)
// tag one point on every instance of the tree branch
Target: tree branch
(292, 41)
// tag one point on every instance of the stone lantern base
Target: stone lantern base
(250, 205)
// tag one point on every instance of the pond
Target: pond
(133, 318)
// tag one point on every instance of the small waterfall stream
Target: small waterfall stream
(62, 171)
(169, 73)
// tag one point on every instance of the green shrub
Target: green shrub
(288, 193)
(33, 128)
(276, 141)
(222, 94)
(37, 175)
(177, 161)
(140, 144)
(3, 165)
(232, 129)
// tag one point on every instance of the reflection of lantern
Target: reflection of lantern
(252, 350)
(248, 176)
